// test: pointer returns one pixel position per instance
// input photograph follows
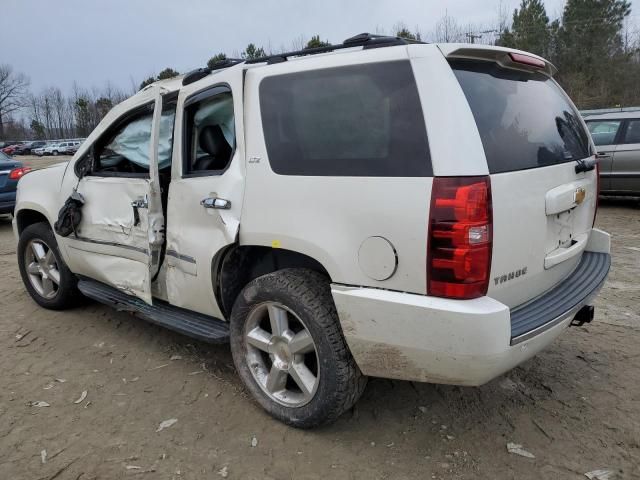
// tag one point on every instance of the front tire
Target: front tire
(289, 351)
(44, 274)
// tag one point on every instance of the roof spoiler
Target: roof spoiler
(506, 57)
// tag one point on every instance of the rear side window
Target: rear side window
(632, 135)
(361, 120)
(604, 132)
(525, 120)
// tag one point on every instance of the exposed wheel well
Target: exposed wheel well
(236, 266)
(24, 218)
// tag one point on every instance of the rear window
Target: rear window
(361, 120)
(525, 120)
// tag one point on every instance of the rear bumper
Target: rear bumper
(470, 342)
(575, 291)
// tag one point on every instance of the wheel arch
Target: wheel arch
(28, 216)
(236, 265)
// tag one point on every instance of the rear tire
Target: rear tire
(289, 350)
(44, 274)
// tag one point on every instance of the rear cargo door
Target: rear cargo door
(533, 138)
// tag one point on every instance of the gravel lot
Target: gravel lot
(576, 406)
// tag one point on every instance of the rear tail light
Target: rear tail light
(18, 173)
(460, 237)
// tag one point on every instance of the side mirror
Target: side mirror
(83, 165)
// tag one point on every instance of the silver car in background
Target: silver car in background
(617, 138)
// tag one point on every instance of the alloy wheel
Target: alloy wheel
(42, 268)
(281, 354)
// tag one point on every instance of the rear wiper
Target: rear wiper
(586, 165)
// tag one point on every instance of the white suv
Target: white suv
(375, 208)
(60, 148)
(53, 149)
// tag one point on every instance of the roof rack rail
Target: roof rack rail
(364, 40)
(198, 73)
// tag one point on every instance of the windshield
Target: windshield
(4, 157)
(525, 120)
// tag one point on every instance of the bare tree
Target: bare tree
(298, 43)
(448, 30)
(13, 89)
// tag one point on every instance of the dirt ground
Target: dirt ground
(576, 406)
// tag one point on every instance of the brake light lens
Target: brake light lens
(526, 60)
(460, 237)
(18, 173)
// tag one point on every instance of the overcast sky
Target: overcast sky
(95, 41)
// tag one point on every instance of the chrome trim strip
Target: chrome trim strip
(110, 244)
(184, 258)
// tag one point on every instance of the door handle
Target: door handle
(142, 202)
(603, 155)
(217, 203)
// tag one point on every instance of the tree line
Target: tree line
(595, 45)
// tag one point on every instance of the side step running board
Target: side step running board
(196, 325)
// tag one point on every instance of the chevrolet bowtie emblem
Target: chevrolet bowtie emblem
(580, 195)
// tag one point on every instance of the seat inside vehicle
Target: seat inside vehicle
(216, 148)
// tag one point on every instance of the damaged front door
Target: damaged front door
(121, 233)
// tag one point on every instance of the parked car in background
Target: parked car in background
(9, 150)
(28, 147)
(39, 151)
(66, 148)
(55, 149)
(10, 172)
(617, 139)
(73, 147)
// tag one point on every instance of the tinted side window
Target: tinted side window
(525, 120)
(632, 135)
(361, 120)
(604, 132)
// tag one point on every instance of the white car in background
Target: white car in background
(60, 148)
(386, 208)
(40, 150)
(51, 148)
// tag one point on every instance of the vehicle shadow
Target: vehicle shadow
(5, 225)
(629, 202)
